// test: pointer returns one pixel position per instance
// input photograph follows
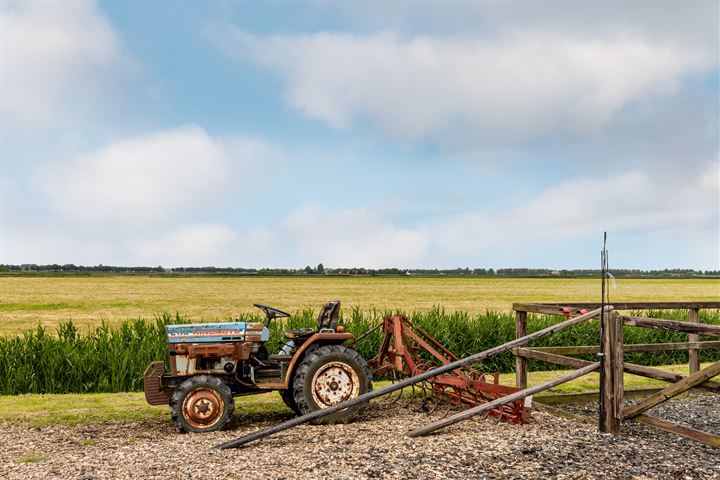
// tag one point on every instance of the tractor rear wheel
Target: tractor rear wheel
(327, 376)
(202, 403)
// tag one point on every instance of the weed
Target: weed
(32, 458)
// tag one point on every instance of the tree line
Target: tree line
(321, 270)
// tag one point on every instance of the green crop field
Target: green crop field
(107, 329)
(28, 301)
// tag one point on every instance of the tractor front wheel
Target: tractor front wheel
(327, 376)
(202, 403)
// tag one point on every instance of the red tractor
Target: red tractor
(211, 363)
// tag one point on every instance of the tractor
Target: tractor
(211, 363)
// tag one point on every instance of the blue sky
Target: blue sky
(487, 134)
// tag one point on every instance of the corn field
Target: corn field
(106, 359)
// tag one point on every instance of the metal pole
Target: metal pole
(603, 317)
(518, 342)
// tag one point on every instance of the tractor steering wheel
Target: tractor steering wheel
(271, 313)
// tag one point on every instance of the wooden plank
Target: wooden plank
(675, 389)
(520, 362)
(584, 397)
(537, 308)
(673, 325)
(693, 354)
(612, 391)
(683, 305)
(617, 367)
(485, 407)
(559, 412)
(550, 357)
(632, 347)
(664, 376)
(682, 430)
(633, 368)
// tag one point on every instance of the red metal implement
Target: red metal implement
(407, 350)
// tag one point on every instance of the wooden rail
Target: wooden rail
(641, 370)
(673, 325)
(673, 390)
(631, 347)
(556, 308)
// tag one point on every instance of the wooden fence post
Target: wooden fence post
(521, 363)
(612, 399)
(694, 354)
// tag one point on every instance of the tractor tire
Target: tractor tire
(202, 403)
(327, 376)
(288, 397)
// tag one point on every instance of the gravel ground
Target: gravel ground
(375, 447)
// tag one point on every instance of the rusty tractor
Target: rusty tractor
(211, 363)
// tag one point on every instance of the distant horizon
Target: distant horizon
(476, 271)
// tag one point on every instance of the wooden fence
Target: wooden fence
(613, 409)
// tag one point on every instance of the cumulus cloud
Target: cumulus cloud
(446, 89)
(692, 23)
(58, 59)
(349, 237)
(685, 208)
(153, 178)
(199, 244)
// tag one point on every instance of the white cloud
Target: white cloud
(649, 219)
(679, 20)
(153, 178)
(451, 89)
(351, 237)
(640, 211)
(685, 208)
(57, 60)
(201, 244)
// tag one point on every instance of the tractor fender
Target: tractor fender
(325, 339)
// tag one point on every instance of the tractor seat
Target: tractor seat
(327, 320)
(295, 334)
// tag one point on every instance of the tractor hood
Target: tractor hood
(217, 332)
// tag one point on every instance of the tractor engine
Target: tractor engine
(213, 348)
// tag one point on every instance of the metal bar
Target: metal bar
(602, 426)
(427, 347)
(430, 339)
(464, 415)
(367, 333)
(518, 342)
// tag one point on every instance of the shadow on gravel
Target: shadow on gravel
(259, 419)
